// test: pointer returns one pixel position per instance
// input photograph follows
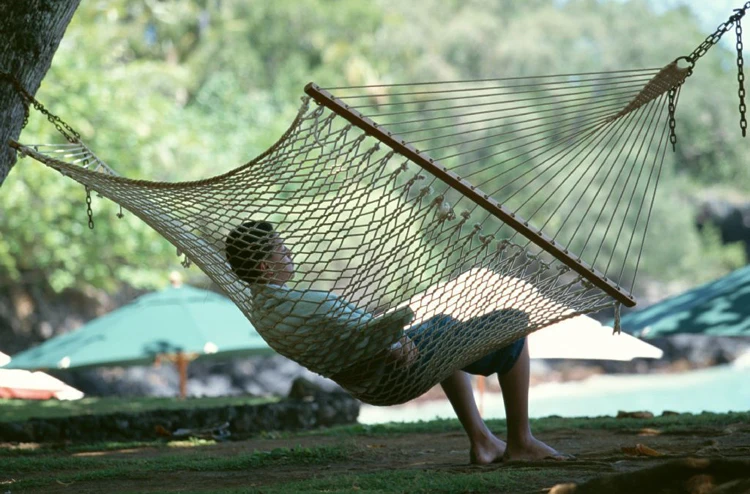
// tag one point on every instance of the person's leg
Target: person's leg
(485, 447)
(522, 445)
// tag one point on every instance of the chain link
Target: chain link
(741, 78)
(672, 121)
(66, 130)
(710, 41)
(714, 38)
(89, 211)
(21, 92)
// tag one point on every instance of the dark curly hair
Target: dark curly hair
(247, 246)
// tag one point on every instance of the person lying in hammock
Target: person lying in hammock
(258, 256)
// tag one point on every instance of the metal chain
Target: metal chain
(741, 78)
(21, 92)
(89, 211)
(66, 130)
(714, 38)
(672, 121)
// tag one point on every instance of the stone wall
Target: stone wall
(319, 410)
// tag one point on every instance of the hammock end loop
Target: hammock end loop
(20, 152)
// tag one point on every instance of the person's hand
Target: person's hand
(403, 353)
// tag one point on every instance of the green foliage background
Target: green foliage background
(178, 90)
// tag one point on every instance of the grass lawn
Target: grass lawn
(397, 457)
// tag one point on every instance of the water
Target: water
(718, 389)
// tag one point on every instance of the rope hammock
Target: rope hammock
(450, 219)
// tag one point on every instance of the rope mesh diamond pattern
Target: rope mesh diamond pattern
(396, 242)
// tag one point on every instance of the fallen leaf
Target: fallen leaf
(569, 488)
(161, 431)
(647, 431)
(629, 450)
(646, 451)
(640, 450)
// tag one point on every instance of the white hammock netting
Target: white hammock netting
(443, 223)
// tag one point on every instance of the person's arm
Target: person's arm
(353, 336)
(403, 352)
(399, 354)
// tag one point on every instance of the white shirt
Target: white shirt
(317, 329)
(298, 312)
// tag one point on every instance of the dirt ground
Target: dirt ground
(597, 452)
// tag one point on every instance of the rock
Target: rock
(327, 413)
(634, 415)
(319, 410)
(45, 431)
(732, 219)
(245, 420)
(259, 376)
(16, 432)
(302, 389)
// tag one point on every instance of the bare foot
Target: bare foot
(531, 450)
(489, 450)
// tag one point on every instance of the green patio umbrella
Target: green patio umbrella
(177, 324)
(719, 308)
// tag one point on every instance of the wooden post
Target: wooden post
(181, 360)
(182, 365)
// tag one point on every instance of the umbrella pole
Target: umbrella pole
(182, 365)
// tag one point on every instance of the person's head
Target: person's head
(257, 254)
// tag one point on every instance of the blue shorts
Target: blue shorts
(500, 361)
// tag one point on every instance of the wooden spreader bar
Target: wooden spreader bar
(401, 146)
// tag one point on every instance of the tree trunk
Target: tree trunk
(30, 31)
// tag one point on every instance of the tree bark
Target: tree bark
(30, 32)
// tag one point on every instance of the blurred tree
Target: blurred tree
(174, 90)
